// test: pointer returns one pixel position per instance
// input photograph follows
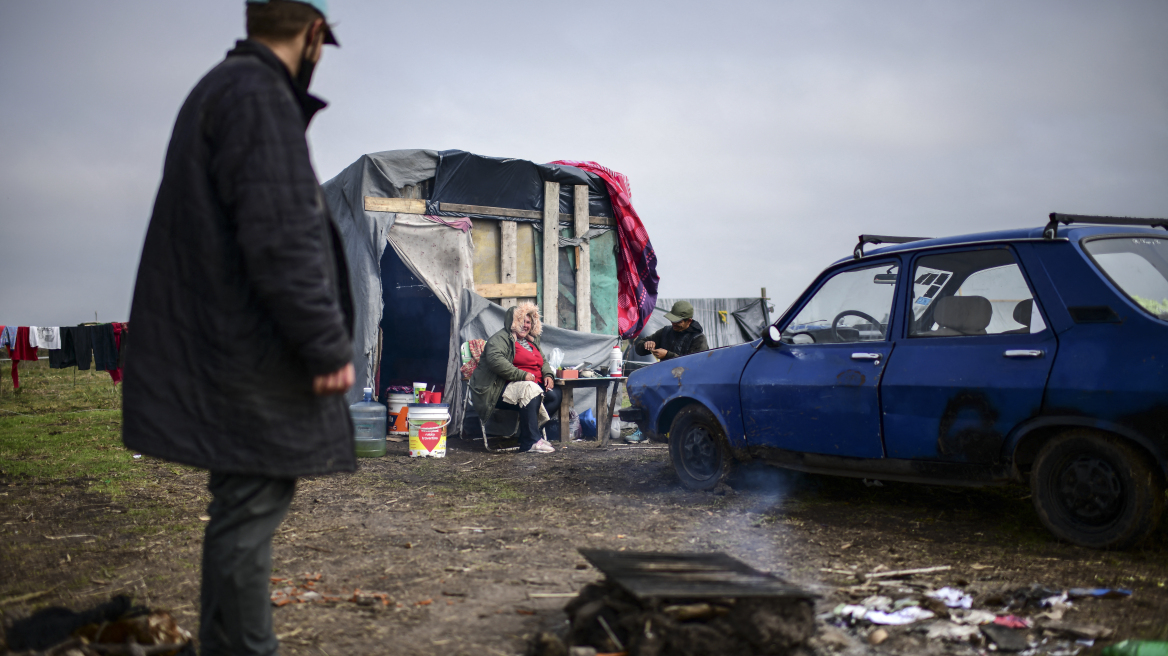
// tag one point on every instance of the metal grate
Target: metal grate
(657, 575)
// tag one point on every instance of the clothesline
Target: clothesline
(99, 344)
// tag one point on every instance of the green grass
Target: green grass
(64, 425)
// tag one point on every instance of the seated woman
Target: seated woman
(510, 373)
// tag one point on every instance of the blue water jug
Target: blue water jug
(369, 419)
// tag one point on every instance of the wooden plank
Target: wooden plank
(511, 290)
(583, 268)
(551, 254)
(506, 212)
(402, 205)
(508, 254)
(494, 211)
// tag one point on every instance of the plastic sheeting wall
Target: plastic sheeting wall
(743, 321)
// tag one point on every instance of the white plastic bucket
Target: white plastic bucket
(428, 422)
(396, 403)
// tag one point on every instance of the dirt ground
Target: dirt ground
(476, 552)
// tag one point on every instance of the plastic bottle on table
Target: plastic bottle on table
(615, 361)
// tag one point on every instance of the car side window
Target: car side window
(852, 306)
(978, 292)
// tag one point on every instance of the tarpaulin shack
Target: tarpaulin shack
(563, 234)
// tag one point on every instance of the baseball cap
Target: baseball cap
(319, 5)
(681, 310)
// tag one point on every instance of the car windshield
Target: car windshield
(1138, 266)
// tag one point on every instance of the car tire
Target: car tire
(1096, 490)
(698, 449)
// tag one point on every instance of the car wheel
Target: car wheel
(1096, 490)
(698, 449)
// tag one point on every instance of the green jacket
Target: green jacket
(496, 370)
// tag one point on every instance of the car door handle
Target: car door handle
(866, 356)
(1024, 353)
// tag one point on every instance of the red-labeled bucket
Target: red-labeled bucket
(428, 422)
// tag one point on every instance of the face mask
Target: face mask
(304, 76)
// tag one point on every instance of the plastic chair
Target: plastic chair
(469, 359)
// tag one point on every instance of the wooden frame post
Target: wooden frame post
(583, 268)
(508, 253)
(551, 254)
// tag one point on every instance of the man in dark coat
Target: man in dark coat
(242, 313)
(683, 337)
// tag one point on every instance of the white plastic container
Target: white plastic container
(397, 403)
(428, 422)
(615, 361)
(369, 426)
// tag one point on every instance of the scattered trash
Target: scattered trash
(305, 592)
(137, 456)
(950, 632)
(869, 482)
(1012, 622)
(1098, 593)
(952, 597)
(906, 615)
(1007, 639)
(878, 636)
(1137, 648)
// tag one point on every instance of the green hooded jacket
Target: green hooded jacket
(495, 368)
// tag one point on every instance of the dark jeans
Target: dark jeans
(236, 614)
(529, 416)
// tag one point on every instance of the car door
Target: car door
(817, 392)
(972, 361)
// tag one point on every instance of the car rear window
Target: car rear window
(1138, 266)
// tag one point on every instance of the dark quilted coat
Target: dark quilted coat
(242, 294)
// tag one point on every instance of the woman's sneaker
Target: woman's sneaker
(542, 446)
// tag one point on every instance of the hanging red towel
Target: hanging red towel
(116, 374)
(637, 274)
(23, 349)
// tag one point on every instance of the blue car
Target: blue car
(1036, 356)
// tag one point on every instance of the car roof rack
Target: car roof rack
(1051, 230)
(882, 239)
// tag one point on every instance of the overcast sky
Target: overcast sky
(760, 137)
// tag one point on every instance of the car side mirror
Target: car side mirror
(772, 336)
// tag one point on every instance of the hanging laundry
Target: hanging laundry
(105, 349)
(66, 356)
(46, 337)
(8, 336)
(123, 344)
(83, 347)
(116, 374)
(22, 349)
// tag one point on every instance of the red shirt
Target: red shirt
(529, 361)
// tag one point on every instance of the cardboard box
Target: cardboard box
(567, 374)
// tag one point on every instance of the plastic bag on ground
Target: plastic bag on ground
(588, 423)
